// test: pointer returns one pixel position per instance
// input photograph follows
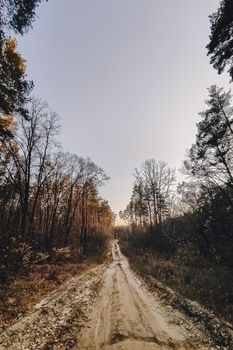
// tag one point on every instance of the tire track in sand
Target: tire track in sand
(127, 316)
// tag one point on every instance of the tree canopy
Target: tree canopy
(220, 47)
(210, 157)
(14, 88)
(16, 16)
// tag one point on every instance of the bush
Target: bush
(16, 257)
(63, 254)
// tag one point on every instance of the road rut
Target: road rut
(109, 307)
(128, 317)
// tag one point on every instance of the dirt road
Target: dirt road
(128, 317)
(108, 307)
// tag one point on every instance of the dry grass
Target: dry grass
(19, 296)
(212, 286)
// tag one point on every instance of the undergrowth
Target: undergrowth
(210, 284)
(41, 274)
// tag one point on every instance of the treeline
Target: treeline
(183, 234)
(151, 198)
(200, 209)
(50, 208)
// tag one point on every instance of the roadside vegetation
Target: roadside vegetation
(53, 222)
(182, 234)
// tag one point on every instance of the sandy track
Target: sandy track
(128, 317)
(56, 321)
(109, 308)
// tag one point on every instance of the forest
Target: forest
(181, 232)
(185, 231)
(53, 220)
(49, 198)
(51, 212)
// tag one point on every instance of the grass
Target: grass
(17, 297)
(210, 285)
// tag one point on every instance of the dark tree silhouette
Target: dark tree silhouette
(220, 47)
(17, 14)
(14, 88)
(210, 157)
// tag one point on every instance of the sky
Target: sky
(127, 78)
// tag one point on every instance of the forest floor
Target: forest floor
(19, 295)
(110, 307)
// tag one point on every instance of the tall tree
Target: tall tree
(30, 151)
(220, 47)
(151, 196)
(210, 157)
(14, 88)
(16, 16)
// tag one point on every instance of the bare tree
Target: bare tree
(30, 152)
(154, 181)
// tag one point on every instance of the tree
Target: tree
(49, 198)
(156, 179)
(211, 156)
(29, 151)
(16, 16)
(14, 88)
(151, 196)
(220, 47)
(210, 164)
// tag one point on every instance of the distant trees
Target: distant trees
(30, 154)
(199, 216)
(152, 194)
(48, 198)
(220, 47)
(195, 246)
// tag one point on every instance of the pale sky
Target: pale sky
(127, 78)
